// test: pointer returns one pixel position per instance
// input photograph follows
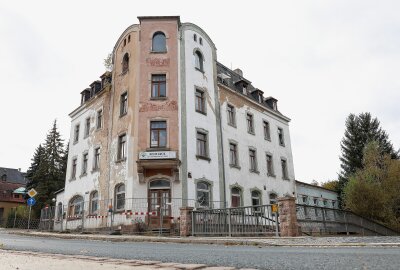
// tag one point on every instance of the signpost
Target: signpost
(31, 201)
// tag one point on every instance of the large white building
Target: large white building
(171, 124)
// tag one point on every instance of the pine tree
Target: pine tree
(38, 157)
(360, 130)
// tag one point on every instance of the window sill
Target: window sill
(72, 179)
(124, 72)
(86, 136)
(158, 52)
(254, 171)
(283, 145)
(251, 132)
(196, 68)
(204, 113)
(286, 179)
(235, 166)
(75, 142)
(271, 175)
(158, 98)
(95, 170)
(203, 157)
(232, 125)
(121, 160)
(82, 175)
(267, 139)
(122, 115)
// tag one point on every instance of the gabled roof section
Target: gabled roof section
(13, 176)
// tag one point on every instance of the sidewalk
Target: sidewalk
(25, 260)
(339, 241)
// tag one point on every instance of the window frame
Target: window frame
(123, 104)
(158, 83)
(250, 123)
(256, 207)
(270, 169)
(281, 137)
(99, 119)
(125, 63)
(253, 169)
(159, 50)
(85, 162)
(208, 190)
(76, 133)
(202, 101)
(73, 204)
(96, 159)
(87, 127)
(285, 172)
(239, 196)
(118, 192)
(158, 134)
(122, 147)
(267, 130)
(93, 199)
(74, 167)
(234, 164)
(199, 59)
(203, 141)
(231, 115)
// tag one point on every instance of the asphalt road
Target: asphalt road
(237, 256)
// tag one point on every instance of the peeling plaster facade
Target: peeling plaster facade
(178, 162)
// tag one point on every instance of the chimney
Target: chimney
(238, 71)
(19, 169)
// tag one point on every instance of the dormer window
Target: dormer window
(159, 42)
(4, 177)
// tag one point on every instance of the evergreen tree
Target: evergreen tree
(31, 173)
(360, 130)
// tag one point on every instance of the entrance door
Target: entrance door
(159, 205)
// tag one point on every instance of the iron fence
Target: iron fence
(241, 221)
(319, 220)
(130, 215)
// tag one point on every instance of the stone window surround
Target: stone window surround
(269, 125)
(259, 191)
(287, 169)
(241, 189)
(167, 37)
(267, 153)
(209, 183)
(72, 177)
(234, 115)
(102, 118)
(253, 132)
(91, 200)
(157, 118)
(94, 169)
(76, 138)
(167, 78)
(283, 136)
(269, 193)
(205, 94)
(86, 152)
(195, 50)
(123, 72)
(120, 134)
(237, 166)
(256, 161)
(121, 114)
(87, 128)
(115, 197)
(203, 131)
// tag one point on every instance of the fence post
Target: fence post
(229, 223)
(29, 218)
(15, 217)
(62, 216)
(276, 224)
(186, 221)
(323, 219)
(83, 215)
(193, 221)
(288, 217)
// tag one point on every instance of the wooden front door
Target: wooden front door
(159, 208)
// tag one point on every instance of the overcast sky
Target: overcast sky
(321, 59)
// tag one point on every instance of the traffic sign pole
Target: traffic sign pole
(29, 218)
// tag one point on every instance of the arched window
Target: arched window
(94, 202)
(203, 194)
(159, 42)
(201, 41)
(125, 63)
(198, 60)
(75, 207)
(195, 37)
(236, 199)
(120, 197)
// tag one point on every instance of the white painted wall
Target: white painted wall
(197, 167)
(314, 192)
(243, 177)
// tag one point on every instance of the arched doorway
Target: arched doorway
(160, 204)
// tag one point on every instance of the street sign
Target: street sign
(31, 201)
(32, 192)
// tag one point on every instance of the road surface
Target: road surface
(216, 255)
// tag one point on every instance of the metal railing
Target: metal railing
(319, 220)
(130, 215)
(241, 221)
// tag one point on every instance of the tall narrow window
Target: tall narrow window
(73, 172)
(123, 104)
(233, 158)
(250, 123)
(84, 163)
(253, 160)
(158, 86)
(96, 164)
(94, 202)
(198, 59)
(159, 42)
(99, 120)
(284, 169)
(256, 200)
(87, 126)
(200, 102)
(236, 200)
(281, 137)
(125, 63)
(203, 194)
(120, 197)
(158, 134)
(201, 144)
(231, 115)
(122, 147)
(267, 132)
(76, 133)
(270, 165)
